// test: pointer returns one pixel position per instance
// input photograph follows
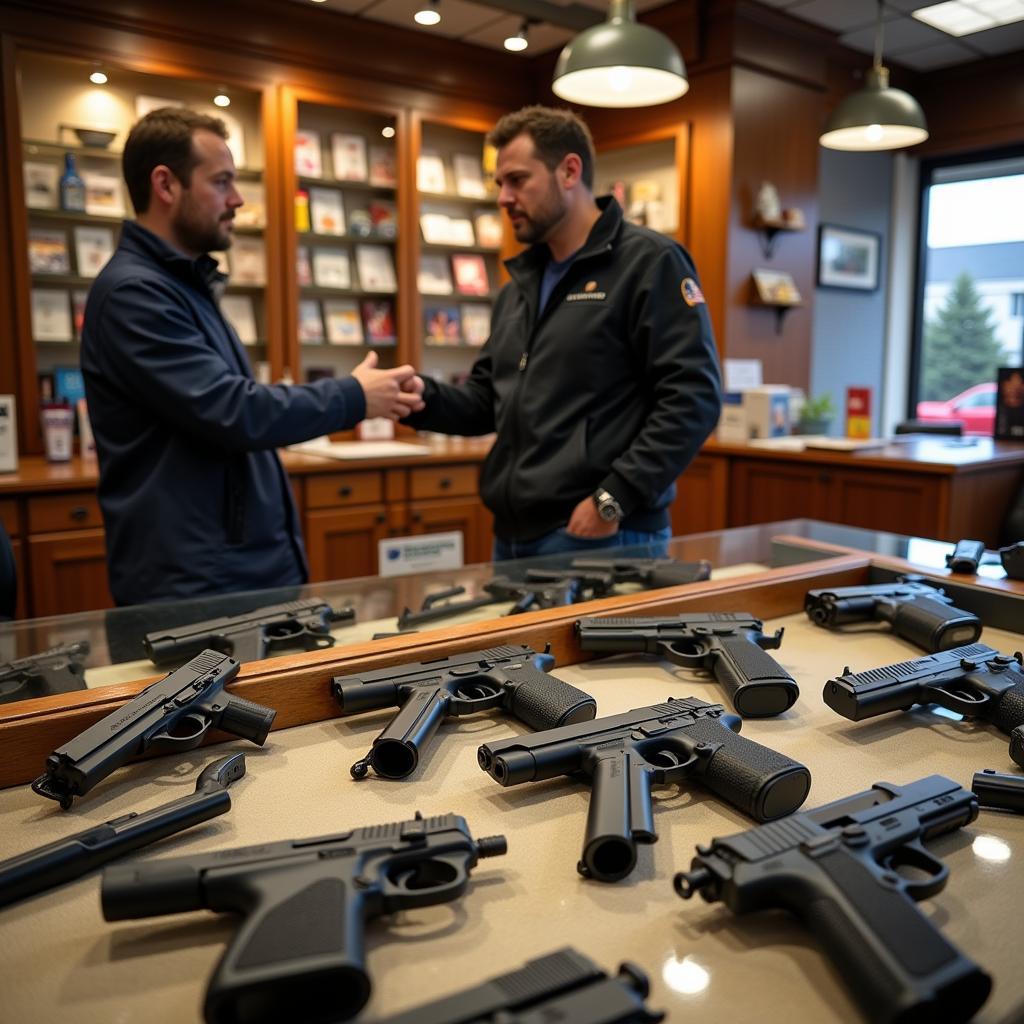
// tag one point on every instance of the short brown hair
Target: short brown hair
(556, 132)
(163, 136)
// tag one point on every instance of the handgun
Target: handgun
(173, 714)
(1012, 557)
(252, 636)
(974, 681)
(731, 644)
(651, 573)
(70, 858)
(966, 556)
(999, 791)
(838, 869)
(303, 902)
(61, 669)
(513, 679)
(564, 987)
(623, 755)
(440, 606)
(917, 611)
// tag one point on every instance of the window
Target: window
(970, 304)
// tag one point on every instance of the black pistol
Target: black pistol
(974, 681)
(732, 645)
(298, 953)
(561, 988)
(837, 869)
(252, 636)
(624, 755)
(916, 611)
(173, 714)
(513, 679)
(61, 669)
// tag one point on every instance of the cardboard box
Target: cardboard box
(767, 411)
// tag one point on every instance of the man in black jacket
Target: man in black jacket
(194, 498)
(600, 375)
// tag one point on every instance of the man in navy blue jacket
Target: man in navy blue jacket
(194, 498)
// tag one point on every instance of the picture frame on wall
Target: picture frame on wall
(848, 258)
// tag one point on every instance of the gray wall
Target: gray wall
(848, 348)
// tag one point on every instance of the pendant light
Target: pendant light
(620, 63)
(877, 116)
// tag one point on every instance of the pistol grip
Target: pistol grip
(896, 964)
(757, 685)
(300, 945)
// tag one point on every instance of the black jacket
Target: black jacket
(615, 385)
(194, 498)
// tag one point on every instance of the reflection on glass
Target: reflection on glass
(992, 849)
(685, 976)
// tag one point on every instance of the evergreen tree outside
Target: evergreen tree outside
(960, 345)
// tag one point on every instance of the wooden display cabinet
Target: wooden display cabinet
(343, 210)
(460, 238)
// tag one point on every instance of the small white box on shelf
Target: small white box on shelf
(767, 411)
(8, 435)
(732, 422)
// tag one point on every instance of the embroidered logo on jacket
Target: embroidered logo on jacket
(589, 292)
(692, 295)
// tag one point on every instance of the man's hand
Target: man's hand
(585, 522)
(391, 393)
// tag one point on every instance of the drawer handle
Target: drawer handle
(380, 517)
(79, 512)
(824, 478)
(445, 483)
(417, 517)
(345, 492)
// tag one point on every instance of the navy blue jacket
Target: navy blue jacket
(194, 498)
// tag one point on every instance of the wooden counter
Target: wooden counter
(928, 486)
(52, 515)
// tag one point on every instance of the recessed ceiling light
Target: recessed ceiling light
(388, 131)
(963, 17)
(428, 14)
(222, 100)
(98, 78)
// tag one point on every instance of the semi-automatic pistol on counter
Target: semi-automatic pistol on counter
(623, 755)
(730, 644)
(561, 988)
(298, 953)
(173, 714)
(851, 872)
(252, 636)
(513, 679)
(917, 611)
(974, 681)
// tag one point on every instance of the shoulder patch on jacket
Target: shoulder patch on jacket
(692, 295)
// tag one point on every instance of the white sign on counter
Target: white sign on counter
(403, 556)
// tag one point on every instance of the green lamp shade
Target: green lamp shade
(876, 117)
(620, 63)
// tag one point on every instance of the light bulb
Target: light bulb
(98, 78)
(388, 131)
(222, 100)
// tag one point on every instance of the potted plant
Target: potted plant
(815, 415)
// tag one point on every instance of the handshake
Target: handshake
(393, 394)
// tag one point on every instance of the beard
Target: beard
(198, 234)
(536, 227)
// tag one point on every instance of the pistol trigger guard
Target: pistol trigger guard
(474, 697)
(914, 855)
(675, 652)
(180, 739)
(411, 882)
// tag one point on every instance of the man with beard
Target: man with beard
(600, 375)
(194, 498)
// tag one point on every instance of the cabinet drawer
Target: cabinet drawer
(338, 489)
(63, 512)
(442, 482)
(9, 516)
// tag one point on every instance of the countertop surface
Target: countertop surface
(62, 962)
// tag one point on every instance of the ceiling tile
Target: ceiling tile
(942, 55)
(838, 15)
(908, 6)
(458, 18)
(1004, 39)
(901, 34)
(542, 37)
(343, 6)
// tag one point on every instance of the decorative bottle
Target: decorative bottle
(72, 188)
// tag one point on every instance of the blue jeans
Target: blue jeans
(648, 544)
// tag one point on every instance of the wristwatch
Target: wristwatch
(608, 507)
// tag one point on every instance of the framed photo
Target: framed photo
(93, 247)
(848, 258)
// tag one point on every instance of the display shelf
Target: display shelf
(321, 238)
(345, 184)
(75, 217)
(643, 173)
(770, 229)
(484, 250)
